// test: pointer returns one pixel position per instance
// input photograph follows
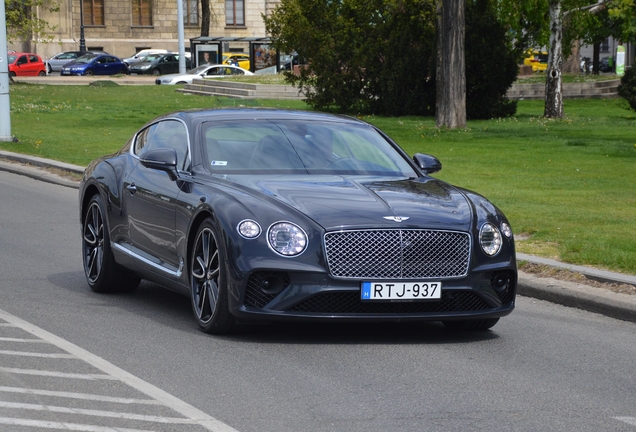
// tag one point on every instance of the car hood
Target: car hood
(142, 63)
(337, 202)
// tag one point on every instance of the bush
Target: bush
(627, 87)
(491, 64)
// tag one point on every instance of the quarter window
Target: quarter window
(93, 12)
(235, 12)
(141, 12)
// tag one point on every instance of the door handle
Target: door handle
(131, 188)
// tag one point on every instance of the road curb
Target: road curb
(580, 296)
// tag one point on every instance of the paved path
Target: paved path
(587, 297)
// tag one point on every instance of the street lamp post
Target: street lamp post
(82, 46)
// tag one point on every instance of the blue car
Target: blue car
(95, 64)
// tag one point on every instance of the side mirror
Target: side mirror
(161, 159)
(427, 163)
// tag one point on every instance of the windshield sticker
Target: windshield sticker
(218, 163)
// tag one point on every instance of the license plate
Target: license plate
(401, 290)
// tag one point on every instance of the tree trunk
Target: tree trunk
(596, 61)
(450, 105)
(573, 63)
(553, 78)
(205, 17)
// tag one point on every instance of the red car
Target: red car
(26, 64)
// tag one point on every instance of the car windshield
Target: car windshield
(198, 70)
(87, 58)
(12, 58)
(151, 57)
(300, 147)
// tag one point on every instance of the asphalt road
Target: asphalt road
(137, 361)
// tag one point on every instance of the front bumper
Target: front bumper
(315, 297)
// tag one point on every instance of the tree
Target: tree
(206, 17)
(24, 25)
(553, 75)
(380, 56)
(450, 102)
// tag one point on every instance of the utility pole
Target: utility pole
(82, 46)
(180, 37)
(5, 104)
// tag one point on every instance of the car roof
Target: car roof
(251, 113)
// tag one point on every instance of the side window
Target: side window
(22, 60)
(165, 134)
(33, 59)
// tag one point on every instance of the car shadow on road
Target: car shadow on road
(170, 308)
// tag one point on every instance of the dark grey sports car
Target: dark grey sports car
(264, 215)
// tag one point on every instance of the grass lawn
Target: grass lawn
(567, 186)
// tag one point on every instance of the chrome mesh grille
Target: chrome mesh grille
(397, 254)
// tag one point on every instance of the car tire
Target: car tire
(12, 74)
(49, 69)
(41, 73)
(102, 273)
(471, 325)
(208, 282)
(88, 72)
(156, 72)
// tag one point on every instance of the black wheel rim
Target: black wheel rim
(93, 235)
(205, 276)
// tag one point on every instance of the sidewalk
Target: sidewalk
(57, 79)
(581, 296)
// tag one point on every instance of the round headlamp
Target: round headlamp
(249, 229)
(490, 239)
(287, 239)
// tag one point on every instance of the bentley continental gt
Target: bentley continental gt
(263, 215)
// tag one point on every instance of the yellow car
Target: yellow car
(537, 59)
(238, 59)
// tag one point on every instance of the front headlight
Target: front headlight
(287, 239)
(490, 239)
(145, 67)
(249, 229)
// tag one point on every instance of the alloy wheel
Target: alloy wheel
(93, 234)
(205, 276)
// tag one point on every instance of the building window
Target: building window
(93, 12)
(191, 12)
(142, 12)
(235, 12)
(604, 48)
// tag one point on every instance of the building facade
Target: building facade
(124, 27)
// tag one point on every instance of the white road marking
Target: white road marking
(82, 396)
(58, 374)
(628, 420)
(64, 426)
(8, 339)
(96, 413)
(32, 354)
(197, 416)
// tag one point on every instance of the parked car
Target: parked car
(141, 55)
(537, 59)
(606, 64)
(264, 215)
(241, 60)
(95, 64)
(158, 64)
(26, 64)
(205, 71)
(55, 63)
